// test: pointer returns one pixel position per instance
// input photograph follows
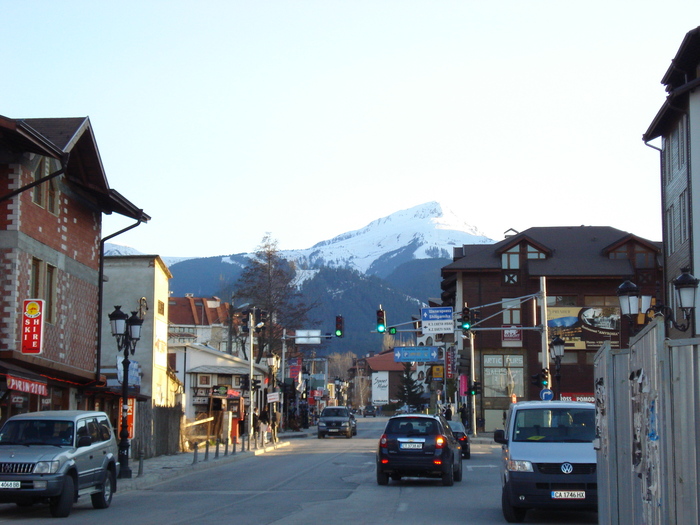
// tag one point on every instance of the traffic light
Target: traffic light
(391, 330)
(381, 321)
(472, 390)
(466, 321)
(477, 387)
(260, 319)
(245, 383)
(339, 326)
(535, 379)
(244, 322)
(545, 378)
(256, 384)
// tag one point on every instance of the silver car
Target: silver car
(57, 456)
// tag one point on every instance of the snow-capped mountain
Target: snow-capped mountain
(422, 232)
(118, 249)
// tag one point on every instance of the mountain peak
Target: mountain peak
(425, 231)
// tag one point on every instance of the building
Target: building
(204, 321)
(677, 125)
(582, 267)
(53, 191)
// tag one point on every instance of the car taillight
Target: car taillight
(383, 441)
(440, 442)
(463, 438)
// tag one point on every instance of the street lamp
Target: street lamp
(556, 350)
(686, 287)
(127, 331)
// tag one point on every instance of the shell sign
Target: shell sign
(32, 326)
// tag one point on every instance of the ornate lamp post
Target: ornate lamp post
(686, 287)
(127, 331)
(556, 350)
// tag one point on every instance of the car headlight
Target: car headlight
(345, 424)
(321, 424)
(46, 467)
(515, 465)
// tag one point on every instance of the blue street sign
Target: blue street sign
(546, 394)
(423, 354)
(441, 313)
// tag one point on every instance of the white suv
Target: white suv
(57, 456)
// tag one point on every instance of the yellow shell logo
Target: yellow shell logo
(32, 309)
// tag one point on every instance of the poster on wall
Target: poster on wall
(380, 388)
(32, 326)
(585, 328)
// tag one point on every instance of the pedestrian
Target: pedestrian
(255, 431)
(448, 413)
(264, 424)
(464, 414)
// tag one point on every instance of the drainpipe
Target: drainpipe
(100, 291)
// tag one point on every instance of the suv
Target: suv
(370, 410)
(418, 446)
(336, 421)
(548, 457)
(56, 456)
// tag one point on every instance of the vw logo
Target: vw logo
(567, 468)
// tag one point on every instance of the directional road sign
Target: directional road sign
(437, 320)
(423, 354)
(546, 394)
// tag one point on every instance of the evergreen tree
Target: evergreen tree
(410, 389)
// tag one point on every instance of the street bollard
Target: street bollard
(216, 452)
(206, 451)
(234, 446)
(141, 456)
(225, 447)
(196, 451)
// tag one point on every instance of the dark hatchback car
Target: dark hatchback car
(460, 434)
(336, 421)
(418, 445)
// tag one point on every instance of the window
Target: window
(503, 375)
(601, 300)
(510, 260)
(42, 285)
(161, 308)
(511, 312)
(683, 212)
(46, 193)
(562, 300)
(669, 233)
(534, 253)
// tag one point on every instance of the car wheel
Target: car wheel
(468, 453)
(103, 499)
(61, 505)
(459, 472)
(510, 513)
(320, 436)
(448, 477)
(382, 477)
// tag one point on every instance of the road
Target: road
(310, 482)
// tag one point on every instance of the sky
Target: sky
(227, 121)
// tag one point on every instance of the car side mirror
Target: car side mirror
(84, 441)
(499, 436)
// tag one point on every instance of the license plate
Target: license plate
(568, 494)
(10, 484)
(332, 430)
(411, 446)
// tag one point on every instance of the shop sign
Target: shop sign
(26, 385)
(32, 326)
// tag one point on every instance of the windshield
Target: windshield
(412, 426)
(37, 432)
(335, 412)
(562, 425)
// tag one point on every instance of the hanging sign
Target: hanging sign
(32, 326)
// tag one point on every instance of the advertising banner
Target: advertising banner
(380, 388)
(32, 326)
(585, 328)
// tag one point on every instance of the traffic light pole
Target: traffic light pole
(472, 369)
(251, 430)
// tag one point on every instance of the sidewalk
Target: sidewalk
(162, 468)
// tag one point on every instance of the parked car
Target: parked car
(548, 457)
(57, 456)
(336, 421)
(460, 434)
(370, 410)
(418, 445)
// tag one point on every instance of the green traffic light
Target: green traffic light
(381, 328)
(339, 333)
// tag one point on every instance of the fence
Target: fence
(648, 419)
(157, 430)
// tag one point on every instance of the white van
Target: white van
(548, 457)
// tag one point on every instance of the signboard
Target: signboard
(512, 334)
(437, 320)
(585, 328)
(422, 354)
(590, 398)
(32, 326)
(273, 398)
(307, 337)
(129, 418)
(438, 372)
(380, 388)
(220, 391)
(450, 362)
(546, 394)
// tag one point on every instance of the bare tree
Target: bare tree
(339, 364)
(268, 282)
